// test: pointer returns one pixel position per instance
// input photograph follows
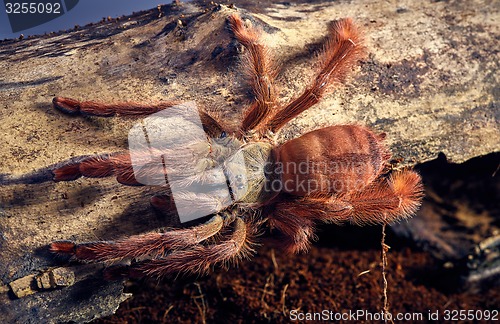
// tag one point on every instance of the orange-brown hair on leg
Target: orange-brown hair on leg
(384, 201)
(137, 246)
(297, 229)
(93, 108)
(260, 69)
(134, 109)
(197, 259)
(342, 49)
(98, 166)
(407, 186)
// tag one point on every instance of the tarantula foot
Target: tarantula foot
(67, 105)
(63, 247)
(68, 172)
(82, 252)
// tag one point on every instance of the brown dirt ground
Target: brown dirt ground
(332, 276)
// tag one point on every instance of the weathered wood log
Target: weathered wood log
(430, 82)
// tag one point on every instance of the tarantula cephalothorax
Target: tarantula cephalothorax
(334, 174)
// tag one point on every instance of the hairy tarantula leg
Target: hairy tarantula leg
(68, 170)
(92, 108)
(297, 231)
(150, 244)
(40, 175)
(384, 201)
(259, 68)
(195, 260)
(97, 166)
(90, 166)
(73, 107)
(148, 168)
(341, 51)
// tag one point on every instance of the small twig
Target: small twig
(385, 248)
(166, 313)
(363, 272)
(203, 307)
(265, 292)
(495, 173)
(283, 299)
(273, 259)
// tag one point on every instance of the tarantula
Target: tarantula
(334, 174)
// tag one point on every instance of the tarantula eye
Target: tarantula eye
(223, 134)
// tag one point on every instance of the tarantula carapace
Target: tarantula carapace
(334, 174)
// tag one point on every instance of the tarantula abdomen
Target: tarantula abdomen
(331, 160)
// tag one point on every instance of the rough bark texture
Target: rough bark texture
(430, 82)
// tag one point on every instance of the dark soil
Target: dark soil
(331, 277)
